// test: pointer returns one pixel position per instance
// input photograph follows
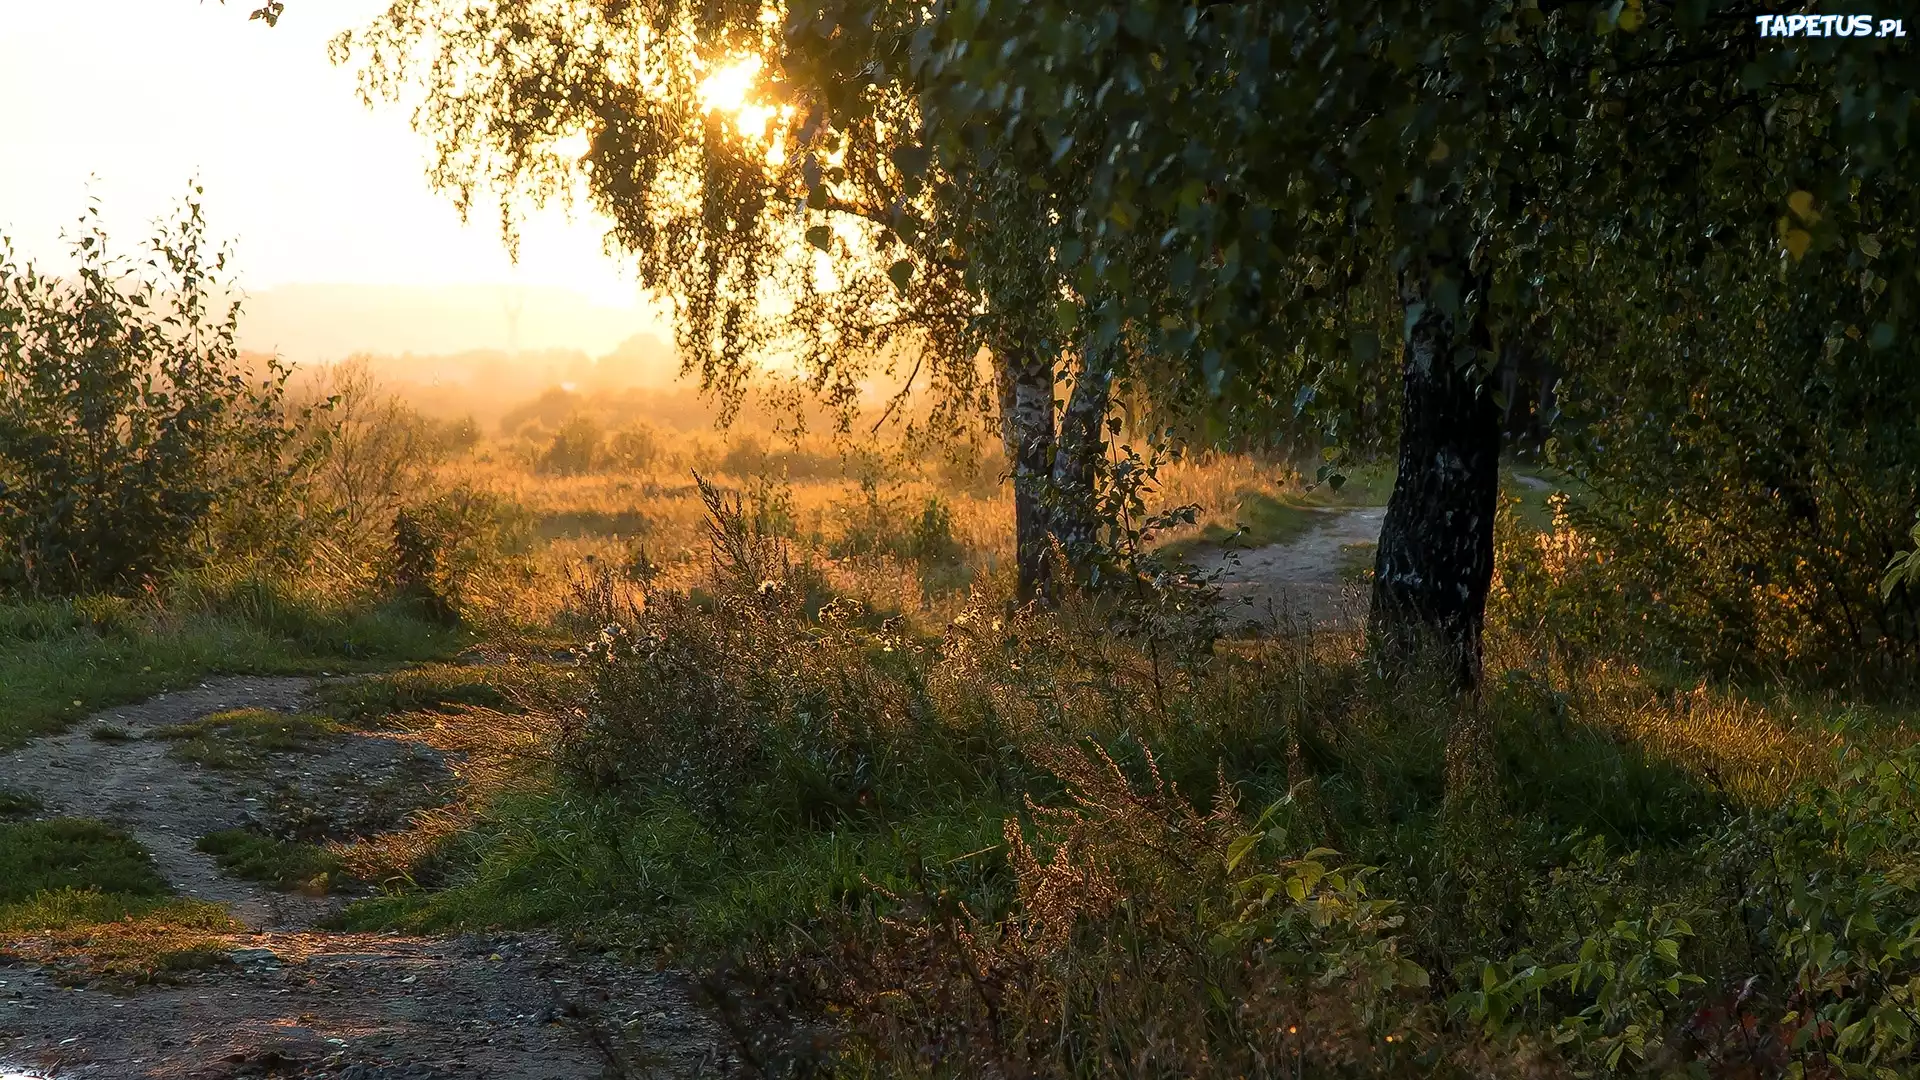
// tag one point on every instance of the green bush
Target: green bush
(133, 439)
(1748, 478)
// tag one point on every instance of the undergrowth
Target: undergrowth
(83, 898)
(60, 660)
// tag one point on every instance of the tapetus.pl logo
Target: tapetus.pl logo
(1829, 26)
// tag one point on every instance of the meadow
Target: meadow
(760, 707)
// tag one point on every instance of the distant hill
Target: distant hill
(309, 323)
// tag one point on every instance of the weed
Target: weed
(242, 739)
(284, 864)
(110, 733)
(17, 804)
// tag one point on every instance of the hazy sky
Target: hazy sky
(144, 94)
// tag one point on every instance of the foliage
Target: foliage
(445, 544)
(1829, 879)
(1749, 523)
(70, 853)
(1903, 568)
(133, 441)
(284, 864)
(379, 453)
(576, 448)
(667, 686)
(872, 526)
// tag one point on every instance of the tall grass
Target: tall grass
(1029, 844)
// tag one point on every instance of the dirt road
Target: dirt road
(1297, 584)
(290, 999)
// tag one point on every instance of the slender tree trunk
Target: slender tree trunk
(1076, 461)
(1029, 426)
(1003, 385)
(1435, 560)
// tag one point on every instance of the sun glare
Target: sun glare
(730, 90)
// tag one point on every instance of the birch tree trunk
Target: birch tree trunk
(1028, 426)
(1076, 460)
(1435, 560)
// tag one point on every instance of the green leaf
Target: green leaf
(1240, 847)
(902, 274)
(1066, 314)
(820, 236)
(1797, 241)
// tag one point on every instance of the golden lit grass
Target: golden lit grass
(492, 752)
(1748, 749)
(1737, 745)
(87, 934)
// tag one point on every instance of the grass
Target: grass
(84, 898)
(1356, 563)
(56, 667)
(284, 864)
(17, 804)
(86, 934)
(1259, 519)
(427, 688)
(895, 771)
(243, 739)
(1534, 487)
(653, 877)
(72, 853)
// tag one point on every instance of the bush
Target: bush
(802, 725)
(1749, 478)
(446, 544)
(133, 440)
(635, 448)
(376, 454)
(575, 448)
(873, 525)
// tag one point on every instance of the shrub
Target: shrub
(803, 724)
(133, 440)
(377, 454)
(575, 448)
(873, 525)
(446, 544)
(1749, 479)
(635, 448)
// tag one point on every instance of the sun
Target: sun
(730, 90)
(726, 90)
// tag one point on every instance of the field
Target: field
(787, 733)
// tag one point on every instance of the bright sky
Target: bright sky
(142, 95)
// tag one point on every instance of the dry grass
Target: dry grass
(492, 752)
(1739, 746)
(88, 935)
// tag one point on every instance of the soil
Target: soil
(291, 999)
(1296, 585)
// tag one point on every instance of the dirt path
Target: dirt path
(292, 1000)
(1297, 584)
